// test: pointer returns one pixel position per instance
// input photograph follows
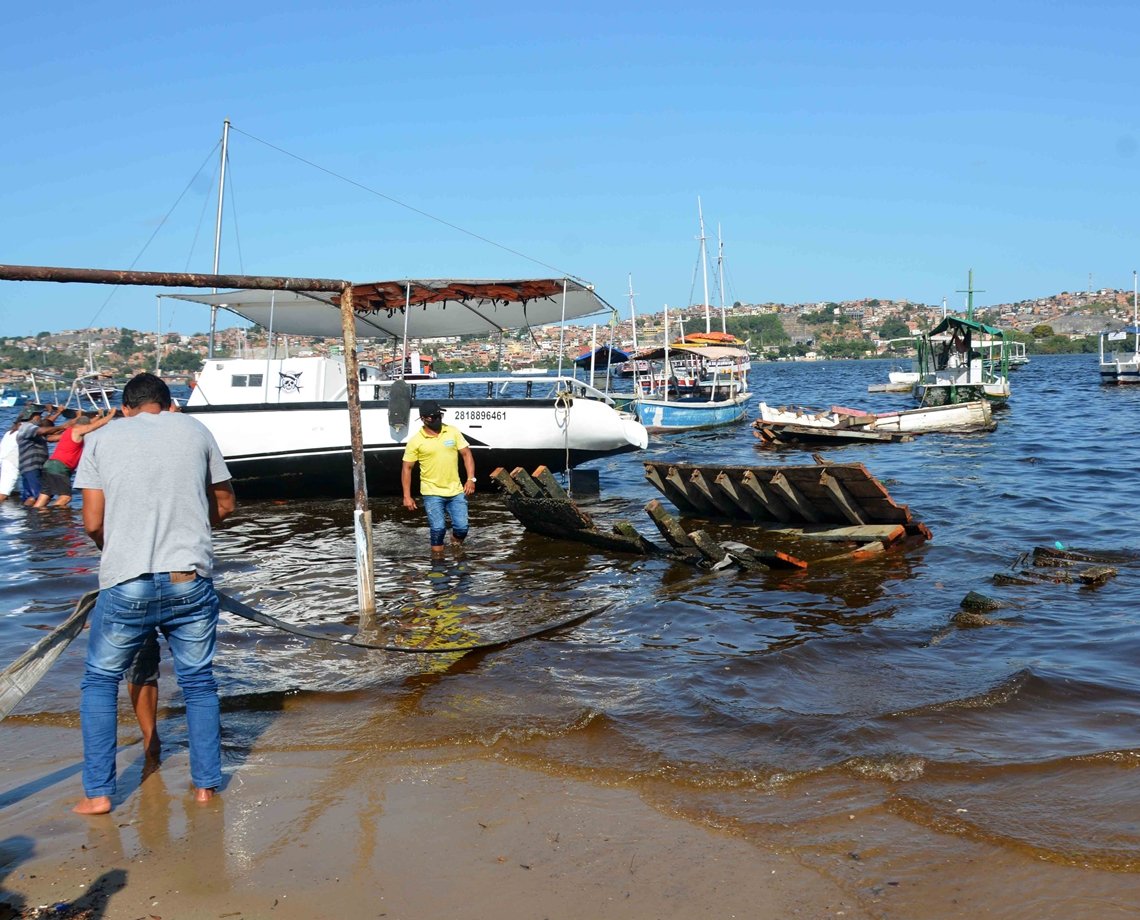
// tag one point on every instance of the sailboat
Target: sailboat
(1121, 367)
(692, 384)
(283, 423)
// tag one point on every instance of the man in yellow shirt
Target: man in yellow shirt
(437, 447)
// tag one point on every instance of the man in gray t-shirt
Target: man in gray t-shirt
(153, 484)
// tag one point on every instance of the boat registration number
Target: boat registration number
(480, 415)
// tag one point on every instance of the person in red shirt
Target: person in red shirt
(60, 467)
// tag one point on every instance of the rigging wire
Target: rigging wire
(206, 199)
(408, 207)
(233, 212)
(161, 224)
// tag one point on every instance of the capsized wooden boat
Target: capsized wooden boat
(956, 417)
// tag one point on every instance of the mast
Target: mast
(633, 323)
(704, 264)
(970, 292)
(218, 229)
(1135, 317)
(720, 272)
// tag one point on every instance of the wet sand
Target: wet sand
(430, 832)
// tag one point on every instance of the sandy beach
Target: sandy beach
(438, 832)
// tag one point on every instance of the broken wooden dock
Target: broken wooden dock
(829, 503)
(793, 497)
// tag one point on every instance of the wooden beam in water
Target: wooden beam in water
(627, 531)
(716, 553)
(746, 502)
(527, 486)
(680, 478)
(666, 488)
(712, 494)
(673, 533)
(549, 484)
(841, 499)
(792, 497)
(503, 478)
(771, 502)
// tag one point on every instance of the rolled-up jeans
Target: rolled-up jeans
(455, 507)
(123, 617)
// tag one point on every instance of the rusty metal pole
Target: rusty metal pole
(362, 516)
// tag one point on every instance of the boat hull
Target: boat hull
(660, 415)
(302, 450)
(954, 417)
(1120, 372)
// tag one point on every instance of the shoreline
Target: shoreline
(448, 832)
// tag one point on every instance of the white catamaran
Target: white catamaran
(282, 422)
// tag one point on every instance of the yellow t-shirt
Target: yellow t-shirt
(438, 458)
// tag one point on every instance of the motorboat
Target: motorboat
(1120, 367)
(962, 360)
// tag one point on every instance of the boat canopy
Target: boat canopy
(603, 357)
(952, 322)
(711, 352)
(476, 307)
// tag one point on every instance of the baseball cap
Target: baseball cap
(430, 407)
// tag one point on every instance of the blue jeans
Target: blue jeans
(123, 618)
(456, 509)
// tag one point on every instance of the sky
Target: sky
(841, 150)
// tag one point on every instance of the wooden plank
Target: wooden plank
(712, 494)
(1096, 575)
(673, 533)
(749, 505)
(859, 554)
(503, 478)
(680, 477)
(769, 500)
(549, 484)
(656, 475)
(790, 433)
(792, 496)
(753, 487)
(842, 500)
(886, 533)
(870, 494)
(527, 486)
(563, 520)
(770, 558)
(627, 531)
(717, 553)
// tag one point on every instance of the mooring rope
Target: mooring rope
(236, 607)
(18, 679)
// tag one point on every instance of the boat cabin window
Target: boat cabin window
(246, 380)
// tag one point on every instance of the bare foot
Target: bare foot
(152, 748)
(203, 795)
(99, 805)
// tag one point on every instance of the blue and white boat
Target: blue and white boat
(689, 385)
(11, 397)
(686, 388)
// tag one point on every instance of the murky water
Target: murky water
(792, 708)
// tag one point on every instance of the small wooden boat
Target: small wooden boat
(955, 417)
